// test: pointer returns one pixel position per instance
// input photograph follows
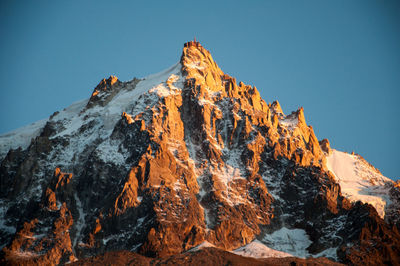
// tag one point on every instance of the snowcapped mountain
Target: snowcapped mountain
(188, 162)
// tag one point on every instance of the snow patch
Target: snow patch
(135, 247)
(168, 88)
(291, 241)
(109, 152)
(358, 181)
(205, 244)
(194, 65)
(289, 121)
(328, 253)
(256, 249)
(20, 137)
(162, 91)
(25, 254)
(81, 221)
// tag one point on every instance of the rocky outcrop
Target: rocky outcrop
(325, 146)
(37, 242)
(207, 256)
(393, 212)
(192, 156)
(105, 90)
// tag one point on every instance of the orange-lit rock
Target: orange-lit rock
(128, 196)
(62, 178)
(51, 200)
(127, 117)
(27, 248)
(195, 157)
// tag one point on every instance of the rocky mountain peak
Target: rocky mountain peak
(198, 63)
(177, 160)
(300, 116)
(276, 108)
(103, 91)
(105, 84)
(325, 146)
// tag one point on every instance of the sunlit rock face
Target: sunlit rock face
(163, 164)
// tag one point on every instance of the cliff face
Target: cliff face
(160, 165)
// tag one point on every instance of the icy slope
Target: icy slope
(74, 116)
(20, 137)
(293, 242)
(360, 181)
(256, 249)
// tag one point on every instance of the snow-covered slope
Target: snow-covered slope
(205, 244)
(20, 137)
(279, 244)
(74, 116)
(256, 249)
(360, 181)
(290, 241)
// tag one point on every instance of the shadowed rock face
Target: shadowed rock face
(160, 165)
(208, 256)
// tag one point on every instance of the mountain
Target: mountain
(187, 165)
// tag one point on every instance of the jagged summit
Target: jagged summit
(103, 89)
(193, 43)
(276, 107)
(196, 60)
(163, 164)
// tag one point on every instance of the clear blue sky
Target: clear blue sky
(340, 60)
